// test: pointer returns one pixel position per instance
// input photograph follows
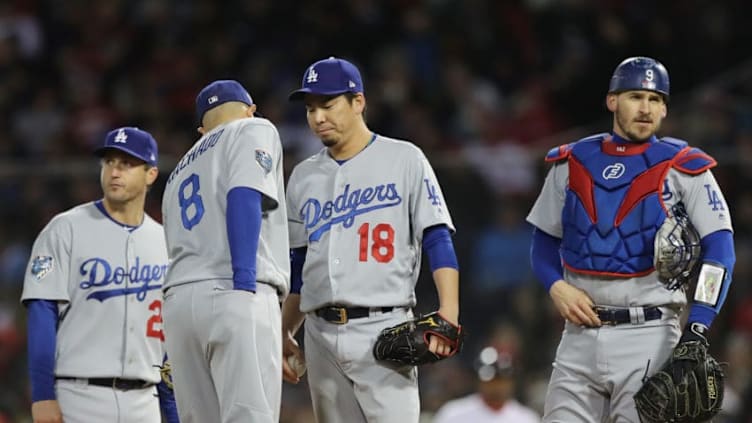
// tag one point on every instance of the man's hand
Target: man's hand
(292, 319)
(47, 411)
(436, 344)
(290, 347)
(574, 304)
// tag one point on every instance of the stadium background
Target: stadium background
(483, 87)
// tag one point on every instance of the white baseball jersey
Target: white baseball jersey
(472, 409)
(705, 207)
(107, 280)
(242, 153)
(363, 223)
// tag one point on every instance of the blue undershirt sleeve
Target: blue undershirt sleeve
(437, 243)
(297, 260)
(717, 248)
(243, 229)
(42, 340)
(545, 258)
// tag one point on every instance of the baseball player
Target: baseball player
(494, 401)
(602, 204)
(359, 211)
(93, 296)
(226, 226)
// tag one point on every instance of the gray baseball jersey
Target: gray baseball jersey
(195, 202)
(107, 280)
(363, 223)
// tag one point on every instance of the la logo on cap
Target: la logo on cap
(121, 136)
(312, 76)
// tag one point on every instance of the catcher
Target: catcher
(615, 246)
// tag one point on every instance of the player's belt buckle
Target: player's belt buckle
(342, 316)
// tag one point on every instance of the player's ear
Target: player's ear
(359, 102)
(151, 175)
(201, 130)
(611, 101)
(251, 110)
(664, 111)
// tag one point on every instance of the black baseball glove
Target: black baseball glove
(689, 386)
(407, 343)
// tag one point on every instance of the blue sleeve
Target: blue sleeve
(167, 399)
(545, 258)
(243, 229)
(297, 260)
(437, 243)
(717, 248)
(42, 341)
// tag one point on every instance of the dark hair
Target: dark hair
(349, 96)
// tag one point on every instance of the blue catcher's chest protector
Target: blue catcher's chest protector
(613, 206)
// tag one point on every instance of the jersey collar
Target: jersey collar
(373, 138)
(100, 205)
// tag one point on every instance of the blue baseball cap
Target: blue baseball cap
(219, 92)
(330, 76)
(133, 141)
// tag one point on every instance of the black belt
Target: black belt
(112, 382)
(620, 316)
(341, 314)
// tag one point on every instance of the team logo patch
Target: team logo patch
(264, 160)
(41, 266)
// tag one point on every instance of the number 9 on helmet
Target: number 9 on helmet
(640, 73)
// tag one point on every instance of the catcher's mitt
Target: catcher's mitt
(407, 343)
(688, 388)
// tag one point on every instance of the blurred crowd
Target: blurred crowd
(483, 87)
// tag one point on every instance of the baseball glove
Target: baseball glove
(407, 343)
(688, 388)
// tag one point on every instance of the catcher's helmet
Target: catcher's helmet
(640, 73)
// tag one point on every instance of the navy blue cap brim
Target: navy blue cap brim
(99, 152)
